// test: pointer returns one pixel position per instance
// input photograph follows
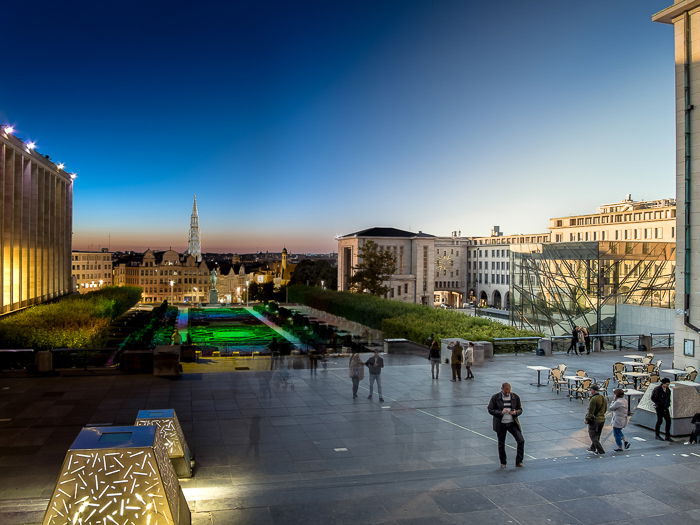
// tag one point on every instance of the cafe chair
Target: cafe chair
(622, 381)
(581, 390)
(557, 379)
(581, 373)
(653, 378)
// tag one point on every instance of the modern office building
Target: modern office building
(91, 270)
(414, 254)
(555, 286)
(684, 15)
(36, 212)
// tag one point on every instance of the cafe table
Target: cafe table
(575, 379)
(675, 372)
(539, 369)
(629, 392)
(636, 376)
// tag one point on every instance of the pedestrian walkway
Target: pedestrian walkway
(286, 448)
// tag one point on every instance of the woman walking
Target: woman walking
(356, 372)
(434, 356)
(618, 408)
(469, 359)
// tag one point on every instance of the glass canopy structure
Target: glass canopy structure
(555, 286)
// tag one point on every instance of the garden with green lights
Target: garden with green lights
(229, 329)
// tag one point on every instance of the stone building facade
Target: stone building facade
(684, 15)
(36, 215)
(91, 270)
(414, 253)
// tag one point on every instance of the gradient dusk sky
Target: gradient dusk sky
(295, 121)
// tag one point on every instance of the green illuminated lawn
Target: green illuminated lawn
(229, 329)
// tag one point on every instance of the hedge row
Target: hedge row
(403, 320)
(76, 321)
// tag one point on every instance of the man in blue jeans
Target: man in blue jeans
(375, 365)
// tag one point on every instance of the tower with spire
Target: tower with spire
(194, 246)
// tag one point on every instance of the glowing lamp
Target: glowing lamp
(60, 166)
(31, 145)
(8, 130)
(117, 473)
(73, 176)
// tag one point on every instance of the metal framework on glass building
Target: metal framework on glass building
(555, 286)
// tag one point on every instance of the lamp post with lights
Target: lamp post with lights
(172, 293)
(247, 293)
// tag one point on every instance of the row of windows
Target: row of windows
(398, 290)
(620, 235)
(91, 267)
(495, 265)
(494, 253)
(452, 252)
(620, 217)
(515, 240)
(441, 285)
(453, 273)
(92, 257)
(103, 276)
(496, 278)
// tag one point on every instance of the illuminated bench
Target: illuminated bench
(173, 438)
(115, 475)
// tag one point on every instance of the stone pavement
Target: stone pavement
(286, 447)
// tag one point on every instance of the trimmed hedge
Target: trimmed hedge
(76, 321)
(403, 320)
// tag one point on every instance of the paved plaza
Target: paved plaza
(287, 447)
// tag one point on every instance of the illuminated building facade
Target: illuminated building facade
(36, 210)
(91, 270)
(166, 276)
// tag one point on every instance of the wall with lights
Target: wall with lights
(36, 208)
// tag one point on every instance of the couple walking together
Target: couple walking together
(459, 355)
(357, 373)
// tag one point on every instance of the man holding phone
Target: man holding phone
(505, 407)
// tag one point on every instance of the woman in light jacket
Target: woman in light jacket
(469, 359)
(356, 372)
(618, 409)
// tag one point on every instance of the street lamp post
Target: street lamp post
(323, 284)
(172, 293)
(247, 293)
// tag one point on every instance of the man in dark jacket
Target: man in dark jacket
(505, 407)
(375, 365)
(661, 397)
(595, 418)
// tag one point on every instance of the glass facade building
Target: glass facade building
(555, 286)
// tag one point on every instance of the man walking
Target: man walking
(661, 397)
(456, 361)
(505, 407)
(375, 365)
(595, 418)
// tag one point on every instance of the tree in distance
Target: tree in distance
(313, 273)
(375, 268)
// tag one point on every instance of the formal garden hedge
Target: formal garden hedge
(403, 320)
(75, 321)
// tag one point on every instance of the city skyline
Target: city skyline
(294, 124)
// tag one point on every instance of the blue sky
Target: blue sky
(297, 121)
